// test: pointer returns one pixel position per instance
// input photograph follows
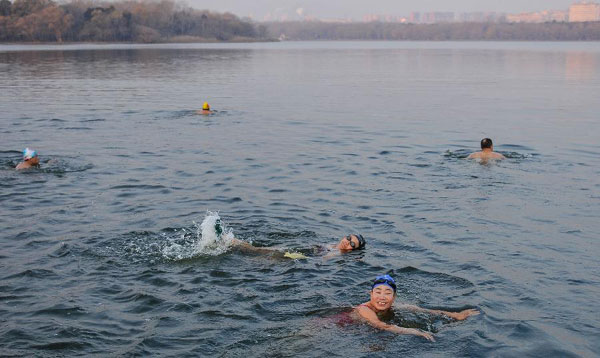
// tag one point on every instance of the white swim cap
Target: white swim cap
(29, 153)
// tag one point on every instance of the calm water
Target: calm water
(311, 141)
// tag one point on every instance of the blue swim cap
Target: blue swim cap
(384, 280)
(29, 153)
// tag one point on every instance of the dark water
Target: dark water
(311, 141)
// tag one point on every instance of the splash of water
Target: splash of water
(212, 237)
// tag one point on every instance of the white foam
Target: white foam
(204, 241)
(209, 242)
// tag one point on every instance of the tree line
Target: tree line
(466, 31)
(131, 21)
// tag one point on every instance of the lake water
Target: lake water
(310, 141)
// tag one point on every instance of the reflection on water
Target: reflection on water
(311, 141)
(581, 66)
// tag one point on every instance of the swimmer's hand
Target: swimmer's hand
(415, 332)
(462, 315)
(294, 255)
(428, 336)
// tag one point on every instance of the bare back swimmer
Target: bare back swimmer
(487, 152)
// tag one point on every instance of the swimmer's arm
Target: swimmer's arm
(371, 318)
(240, 243)
(248, 247)
(459, 316)
(243, 245)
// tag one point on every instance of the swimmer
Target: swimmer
(205, 109)
(351, 242)
(383, 294)
(487, 151)
(347, 244)
(30, 159)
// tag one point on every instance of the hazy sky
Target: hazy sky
(358, 8)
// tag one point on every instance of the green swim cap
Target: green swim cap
(218, 227)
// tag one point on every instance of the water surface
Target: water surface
(310, 141)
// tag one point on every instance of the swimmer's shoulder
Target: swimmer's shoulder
(24, 165)
(363, 309)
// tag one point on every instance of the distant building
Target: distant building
(338, 20)
(558, 15)
(435, 17)
(584, 11)
(383, 18)
(524, 17)
(480, 17)
(537, 17)
(415, 17)
(371, 18)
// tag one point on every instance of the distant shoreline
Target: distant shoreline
(172, 41)
(465, 31)
(54, 43)
(120, 21)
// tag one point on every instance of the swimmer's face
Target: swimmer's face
(382, 297)
(33, 161)
(349, 243)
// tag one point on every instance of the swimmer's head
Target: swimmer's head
(486, 143)
(29, 154)
(383, 293)
(30, 158)
(352, 242)
(206, 106)
(384, 280)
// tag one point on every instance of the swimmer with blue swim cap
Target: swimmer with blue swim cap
(30, 159)
(383, 294)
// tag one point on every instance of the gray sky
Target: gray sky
(358, 8)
